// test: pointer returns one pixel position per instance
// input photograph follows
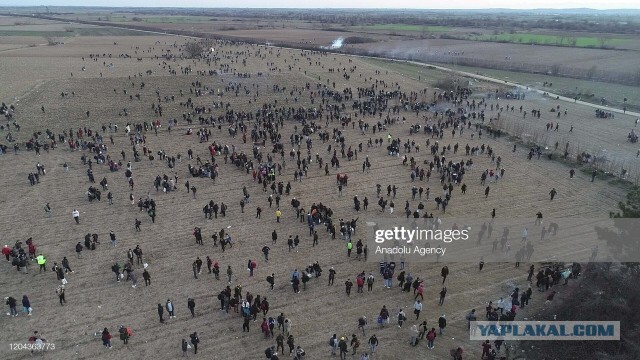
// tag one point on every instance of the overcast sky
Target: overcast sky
(406, 4)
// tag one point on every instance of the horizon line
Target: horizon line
(314, 8)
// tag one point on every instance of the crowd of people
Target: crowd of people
(320, 131)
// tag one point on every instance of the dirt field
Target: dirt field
(36, 76)
(615, 60)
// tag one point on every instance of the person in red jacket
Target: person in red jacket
(431, 336)
(6, 251)
(106, 338)
(360, 283)
(486, 348)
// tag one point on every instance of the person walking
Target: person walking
(442, 323)
(147, 277)
(229, 273)
(280, 343)
(47, 210)
(195, 340)
(417, 308)
(373, 344)
(26, 305)
(42, 263)
(60, 291)
(362, 323)
(161, 312)
(191, 304)
(125, 333)
(76, 216)
(342, 345)
(170, 309)
(333, 343)
(65, 265)
(79, 249)
(184, 346)
(106, 338)
(443, 293)
(402, 317)
(431, 336)
(12, 306)
(471, 316)
(112, 236)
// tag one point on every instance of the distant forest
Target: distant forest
(577, 20)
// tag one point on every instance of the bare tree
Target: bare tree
(193, 49)
(50, 39)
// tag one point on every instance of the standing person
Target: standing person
(191, 304)
(229, 273)
(147, 277)
(442, 323)
(124, 334)
(471, 316)
(26, 305)
(138, 252)
(355, 344)
(106, 338)
(291, 343)
(60, 291)
(362, 323)
(348, 284)
(195, 340)
(333, 342)
(278, 215)
(402, 317)
(280, 343)
(161, 312)
(414, 335)
(47, 210)
(79, 250)
(342, 345)
(431, 336)
(65, 265)
(456, 354)
(332, 276)
(370, 281)
(417, 308)
(76, 216)
(112, 236)
(170, 309)
(373, 344)
(12, 306)
(184, 346)
(195, 269)
(6, 251)
(42, 262)
(271, 280)
(444, 273)
(486, 348)
(443, 293)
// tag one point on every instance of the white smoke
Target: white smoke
(337, 43)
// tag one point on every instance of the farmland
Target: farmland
(539, 39)
(111, 76)
(402, 27)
